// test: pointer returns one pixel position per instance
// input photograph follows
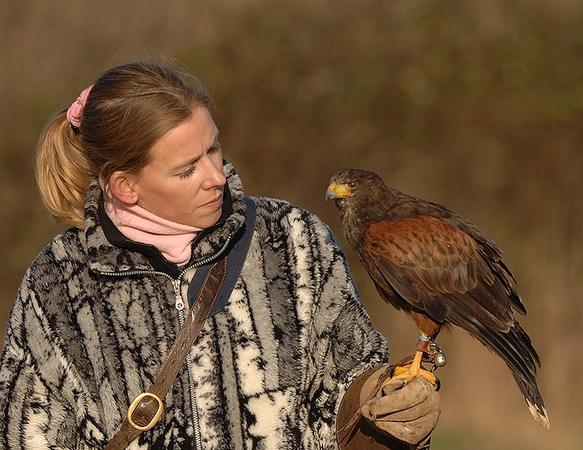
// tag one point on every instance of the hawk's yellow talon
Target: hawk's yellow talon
(410, 371)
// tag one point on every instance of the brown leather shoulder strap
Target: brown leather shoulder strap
(146, 409)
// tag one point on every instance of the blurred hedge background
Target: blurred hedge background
(477, 105)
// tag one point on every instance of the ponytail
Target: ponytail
(111, 127)
(63, 171)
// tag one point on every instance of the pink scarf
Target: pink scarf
(140, 225)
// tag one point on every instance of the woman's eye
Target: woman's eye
(187, 172)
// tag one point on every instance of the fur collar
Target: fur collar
(111, 252)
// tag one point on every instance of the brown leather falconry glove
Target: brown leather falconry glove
(395, 416)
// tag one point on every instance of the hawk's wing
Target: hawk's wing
(440, 270)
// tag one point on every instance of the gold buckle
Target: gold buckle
(154, 419)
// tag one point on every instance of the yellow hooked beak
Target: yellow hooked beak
(336, 191)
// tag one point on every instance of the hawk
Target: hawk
(441, 269)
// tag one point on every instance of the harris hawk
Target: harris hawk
(441, 269)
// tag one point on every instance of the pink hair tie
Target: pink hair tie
(75, 111)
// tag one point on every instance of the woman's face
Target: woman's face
(184, 180)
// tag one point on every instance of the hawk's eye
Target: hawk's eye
(352, 184)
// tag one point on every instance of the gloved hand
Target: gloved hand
(408, 412)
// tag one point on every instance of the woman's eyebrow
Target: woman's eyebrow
(190, 162)
(185, 164)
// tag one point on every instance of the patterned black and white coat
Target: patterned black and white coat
(93, 321)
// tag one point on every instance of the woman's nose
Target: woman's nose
(215, 177)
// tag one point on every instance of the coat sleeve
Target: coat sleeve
(343, 340)
(42, 403)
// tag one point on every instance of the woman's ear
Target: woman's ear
(120, 185)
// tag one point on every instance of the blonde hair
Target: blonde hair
(129, 108)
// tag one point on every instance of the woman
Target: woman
(135, 165)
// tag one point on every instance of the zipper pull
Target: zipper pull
(178, 302)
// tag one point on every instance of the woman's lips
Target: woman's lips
(215, 203)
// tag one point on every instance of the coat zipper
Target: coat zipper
(181, 317)
(180, 307)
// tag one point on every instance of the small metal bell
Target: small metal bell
(439, 359)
